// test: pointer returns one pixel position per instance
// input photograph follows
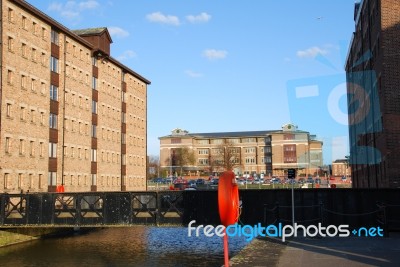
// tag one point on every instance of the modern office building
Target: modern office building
(72, 118)
(269, 153)
(373, 79)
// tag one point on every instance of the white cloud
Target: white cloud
(118, 32)
(193, 74)
(127, 55)
(312, 52)
(91, 4)
(161, 18)
(73, 9)
(215, 54)
(202, 17)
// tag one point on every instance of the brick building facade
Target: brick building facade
(373, 79)
(256, 152)
(71, 115)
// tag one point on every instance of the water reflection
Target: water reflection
(133, 246)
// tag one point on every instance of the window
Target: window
(217, 141)
(42, 117)
(123, 96)
(54, 64)
(41, 149)
(250, 150)
(20, 178)
(288, 137)
(44, 59)
(33, 85)
(289, 154)
(54, 37)
(93, 157)
(52, 178)
(24, 50)
(176, 140)
(94, 107)
(10, 15)
(53, 92)
(250, 160)
(123, 159)
(30, 180)
(203, 151)
(10, 44)
(94, 83)
(44, 33)
(53, 121)
(32, 148)
(123, 115)
(34, 28)
(123, 138)
(21, 146)
(8, 110)
(23, 22)
(94, 61)
(23, 81)
(52, 150)
(94, 131)
(10, 77)
(94, 179)
(23, 114)
(40, 181)
(203, 161)
(8, 145)
(34, 55)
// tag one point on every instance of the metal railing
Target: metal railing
(319, 214)
(91, 209)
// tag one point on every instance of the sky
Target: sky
(226, 66)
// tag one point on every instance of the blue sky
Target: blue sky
(221, 66)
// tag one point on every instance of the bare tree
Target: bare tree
(225, 157)
(153, 166)
(184, 156)
(180, 158)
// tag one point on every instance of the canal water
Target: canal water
(122, 247)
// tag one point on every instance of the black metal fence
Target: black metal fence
(93, 209)
(355, 207)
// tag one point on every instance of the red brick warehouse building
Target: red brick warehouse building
(373, 85)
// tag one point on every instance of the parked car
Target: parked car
(214, 181)
(200, 181)
(256, 181)
(302, 180)
(240, 181)
(192, 183)
(276, 180)
(157, 180)
(180, 184)
(310, 180)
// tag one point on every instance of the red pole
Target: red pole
(226, 252)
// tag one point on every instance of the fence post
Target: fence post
(382, 218)
(321, 210)
(277, 215)
(265, 215)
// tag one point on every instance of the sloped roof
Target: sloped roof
(230, 134)
(93, 31)
(90, 31)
